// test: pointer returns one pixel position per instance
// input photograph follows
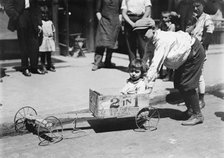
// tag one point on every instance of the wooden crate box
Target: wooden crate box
(116, 105)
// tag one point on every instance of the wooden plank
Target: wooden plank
(93, 102)
(116, 105)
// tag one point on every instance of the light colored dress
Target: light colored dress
(48, 44)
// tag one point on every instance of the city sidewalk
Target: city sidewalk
(66, 91)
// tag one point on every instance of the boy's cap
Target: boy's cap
(144, 23)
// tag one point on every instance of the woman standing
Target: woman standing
(108, 13)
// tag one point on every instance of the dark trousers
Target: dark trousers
(135, 41)
(186, 77)
(99, 55)
(44, 56)
(28, 41)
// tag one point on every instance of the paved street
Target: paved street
(170, 140)
(66, 91)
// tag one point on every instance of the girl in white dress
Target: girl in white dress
(48, 43)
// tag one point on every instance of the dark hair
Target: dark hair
(199, 1)
(44, 9)
(136, 64)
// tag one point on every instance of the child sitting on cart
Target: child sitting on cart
(136, 83)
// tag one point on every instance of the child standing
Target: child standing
(48, 44)
(136, 83)
(202, 27)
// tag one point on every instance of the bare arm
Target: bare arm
(172, 27)
(147, 12)
(98, 9)
(120, 18)
(98, 15)
(126, 18)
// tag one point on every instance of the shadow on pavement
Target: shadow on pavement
(217, 93)
(173, 114)
(127, 123)
(220, 114)
(112, 124)
(174, 97)
(122, 68)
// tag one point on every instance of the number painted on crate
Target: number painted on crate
(116, 102)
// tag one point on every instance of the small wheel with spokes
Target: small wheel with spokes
(50, 130)
(20, 117)
(147, 118)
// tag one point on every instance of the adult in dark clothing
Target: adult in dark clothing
(109, 17)
(25, 17)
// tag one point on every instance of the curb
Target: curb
(7, 129)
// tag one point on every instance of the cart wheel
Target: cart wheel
(20, 117)
(50, 130)
(147, 118)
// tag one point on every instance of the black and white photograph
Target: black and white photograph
(112, 78)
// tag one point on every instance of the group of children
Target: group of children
(47, 43)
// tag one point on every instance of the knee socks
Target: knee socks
(201, 87)
(191, 100)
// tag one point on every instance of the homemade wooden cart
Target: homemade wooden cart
(101, 106)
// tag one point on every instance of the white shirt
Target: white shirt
(171, 49)
(27, 3)
(136, 87)
(135, 6)
(203, 24)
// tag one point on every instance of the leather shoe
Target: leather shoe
(193, 120)
(26, 72)
(37, 71)
(44, 69)
(95, 67)
(51, 69)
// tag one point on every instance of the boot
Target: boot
(194, 120)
